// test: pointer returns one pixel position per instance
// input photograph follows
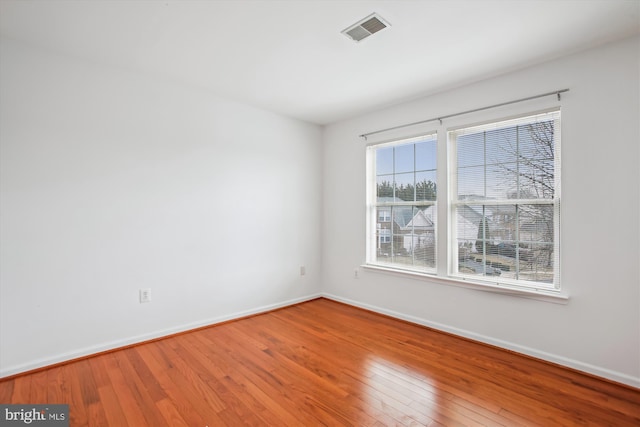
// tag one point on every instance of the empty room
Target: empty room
(317, 212)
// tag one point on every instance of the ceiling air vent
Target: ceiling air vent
(364, 28)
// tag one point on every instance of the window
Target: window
(502, 199)
(402, 201)
(505, 203)
(384, 236)
(384, 215)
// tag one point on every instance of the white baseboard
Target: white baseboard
(113, 345)
(560, 360)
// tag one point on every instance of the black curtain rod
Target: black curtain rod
(556, 92)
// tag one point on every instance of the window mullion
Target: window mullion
(484, 155)
(445, 210)
(413, 210)
(518, 195)
(392, 235)
(517, 236)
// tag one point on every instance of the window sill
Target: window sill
(556, 297)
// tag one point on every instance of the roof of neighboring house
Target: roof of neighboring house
(406, 217)
(474, 212)
(402, 215)
(420, 221)
(469, 213)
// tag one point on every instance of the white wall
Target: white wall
(598, 330)
(113, 181)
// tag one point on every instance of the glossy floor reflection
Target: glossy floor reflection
(322, 363)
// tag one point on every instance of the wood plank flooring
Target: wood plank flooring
(322, 363)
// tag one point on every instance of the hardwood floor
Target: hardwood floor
(322, 363)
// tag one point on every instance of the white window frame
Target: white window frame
(373, 238)
(446, 270)
(452, 134)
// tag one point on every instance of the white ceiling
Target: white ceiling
(289, 56)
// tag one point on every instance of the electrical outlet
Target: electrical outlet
(303, 270)
(145, 295)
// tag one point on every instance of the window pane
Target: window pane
(468, 219)
(481, 226)
(384, 215)
(404, 158)
(536, 263)
(424, 245)
(401, 216)
(384, 188)
(536, 179)
(470, 150)
(503, 222)
(471, 181)
(426, 185)
(499, 183)
(384, 161)
(385, 233)
(536, 223)
(501, 145)
(426, 156)
(475, 264)
(536, 140)
(405, 190)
